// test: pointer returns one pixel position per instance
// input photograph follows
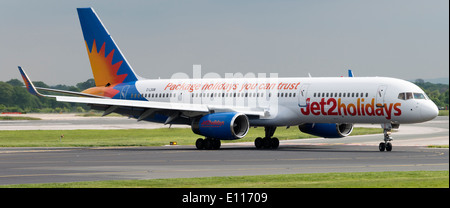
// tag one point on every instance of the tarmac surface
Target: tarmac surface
(350, 154)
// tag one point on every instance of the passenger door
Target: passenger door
(379, 100)
(303, 95)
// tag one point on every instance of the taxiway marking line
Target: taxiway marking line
(214, 170)
(69, 174)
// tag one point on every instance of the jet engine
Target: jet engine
(224, 126)
(327, 130)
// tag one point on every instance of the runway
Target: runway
(351, 154)
(46, 165)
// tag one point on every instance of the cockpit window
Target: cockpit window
(410, 95)
(419, 96)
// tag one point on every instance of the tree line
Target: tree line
(436, 92)
(14, 97)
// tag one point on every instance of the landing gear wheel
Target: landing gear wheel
(388, 147)
(267, 142)
(216, 144)
(382, 147)
(208, 143)
(275, 143)
(200, 143)
(259, 143)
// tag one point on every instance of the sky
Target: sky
(405, 39)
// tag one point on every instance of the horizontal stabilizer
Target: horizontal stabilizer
(70, 92)
(33, 90)
(28, 83)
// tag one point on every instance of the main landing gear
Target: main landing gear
(268, 142)
(386, 145)
(208, 143)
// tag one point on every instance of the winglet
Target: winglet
(28, 83)
(350, 73)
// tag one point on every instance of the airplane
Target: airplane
(225, 109)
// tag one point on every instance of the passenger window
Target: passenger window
(401, 96)
(409, 95)
(419, 96)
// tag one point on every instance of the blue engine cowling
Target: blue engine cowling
(224, 126)
(327, 130)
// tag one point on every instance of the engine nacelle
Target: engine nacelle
(224, 126)
(327, 130)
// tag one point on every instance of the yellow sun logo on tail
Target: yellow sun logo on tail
(105, 73)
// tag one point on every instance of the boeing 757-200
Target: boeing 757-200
(225, 109)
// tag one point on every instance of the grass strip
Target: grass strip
(395, 179)
(133, 137)
(15, 118)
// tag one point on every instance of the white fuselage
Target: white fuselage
(293, 101)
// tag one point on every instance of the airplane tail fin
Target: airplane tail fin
(108, 64)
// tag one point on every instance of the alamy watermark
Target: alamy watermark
(235, 91)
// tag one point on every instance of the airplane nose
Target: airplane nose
(429, 111)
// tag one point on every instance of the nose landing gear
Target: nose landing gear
(386, 145)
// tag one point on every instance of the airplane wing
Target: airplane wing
(112, 104)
